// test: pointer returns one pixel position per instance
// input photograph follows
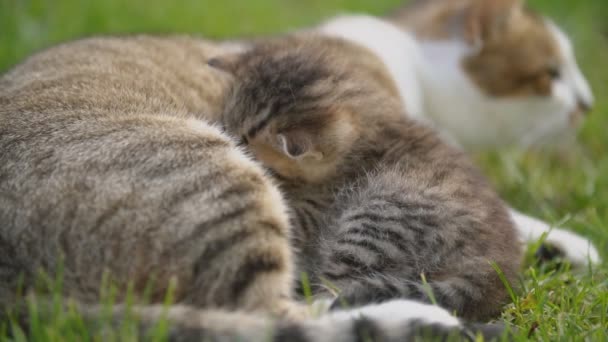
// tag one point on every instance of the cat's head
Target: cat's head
(293, 105)
(522, 65)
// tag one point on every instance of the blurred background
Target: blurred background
(27, 25)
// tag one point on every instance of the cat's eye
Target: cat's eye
(554, 72)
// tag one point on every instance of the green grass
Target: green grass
(551, 304)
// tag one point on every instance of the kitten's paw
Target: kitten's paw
(574, 248)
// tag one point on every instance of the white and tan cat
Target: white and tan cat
(485, 74)
(495, 73)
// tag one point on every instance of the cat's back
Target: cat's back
(122, 74)
(107, 165)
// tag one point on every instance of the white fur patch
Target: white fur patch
(464, 113)
(578, 250)
(393, 318)
(396, 48)
(435, 89)
(572, 87)
(394, 314)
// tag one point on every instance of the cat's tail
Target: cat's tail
(399, 320)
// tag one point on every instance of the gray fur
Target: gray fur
(109, 167)
(394, 204)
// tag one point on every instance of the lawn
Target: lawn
(570, 186)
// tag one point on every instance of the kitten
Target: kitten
(108, 168)
(392, 200)
(436, 90)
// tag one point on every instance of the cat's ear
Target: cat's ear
(298, 144)
(226, 63)
(487, 19)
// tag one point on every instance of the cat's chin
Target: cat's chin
(576, 118)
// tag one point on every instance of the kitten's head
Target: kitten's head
(523, 64)
(293, 103)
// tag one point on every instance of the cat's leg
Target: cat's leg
(576, 249)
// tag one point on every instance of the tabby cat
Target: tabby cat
(105, 166)
(108, 168)
(378, 199)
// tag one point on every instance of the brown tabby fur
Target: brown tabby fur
(106, 167)
(301, 106)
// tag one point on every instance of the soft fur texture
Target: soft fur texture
(75, 182)
(440, 93)
(494, 72)
(108, 167)
(393, 202)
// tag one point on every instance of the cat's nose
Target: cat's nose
(584, 106)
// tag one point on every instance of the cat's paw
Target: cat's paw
(397, 312)
(574, 248)
(407, 320)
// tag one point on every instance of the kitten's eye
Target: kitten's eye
(554, 73)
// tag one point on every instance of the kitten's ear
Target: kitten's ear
(226, 63)
(298, 145)
(489, 18)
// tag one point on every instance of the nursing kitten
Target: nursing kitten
(378, 199)
(106, 168)
(437, 91)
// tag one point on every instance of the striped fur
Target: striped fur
(431, 73)
(393, 201)
(108, 167)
